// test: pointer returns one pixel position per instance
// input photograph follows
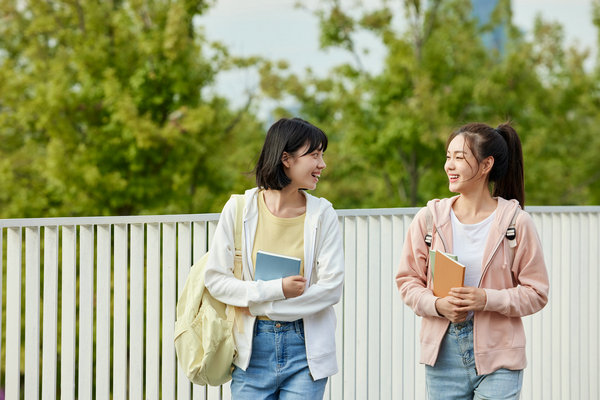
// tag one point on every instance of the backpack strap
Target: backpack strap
(511, 232)
(233, 314)
(429, 221)
(239, 214)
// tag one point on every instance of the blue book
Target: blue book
(271, 266)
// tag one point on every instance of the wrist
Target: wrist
(436, 307)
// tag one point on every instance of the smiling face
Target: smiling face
(304, 170)
(464, 172)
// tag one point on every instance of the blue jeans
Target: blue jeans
(278, 368)
(454, 375)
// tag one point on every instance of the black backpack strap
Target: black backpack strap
(429, 221)
(511, 232)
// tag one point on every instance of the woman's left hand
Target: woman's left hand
(468, 298)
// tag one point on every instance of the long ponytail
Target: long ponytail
(512, 184)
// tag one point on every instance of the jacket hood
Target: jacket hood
(440, 209)
(315, 206)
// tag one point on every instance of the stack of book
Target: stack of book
(447, 272)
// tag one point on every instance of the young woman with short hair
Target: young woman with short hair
(286, 344)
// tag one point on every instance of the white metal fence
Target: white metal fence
(88, 306)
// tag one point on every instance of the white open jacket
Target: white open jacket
(323, 269)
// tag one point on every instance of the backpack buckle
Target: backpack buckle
(428, 239)
(511, 233)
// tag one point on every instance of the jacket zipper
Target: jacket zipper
(313, 256)
(486, 267)
(249, 266)
(442, 239)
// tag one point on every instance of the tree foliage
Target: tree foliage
(389, 128)
(110, 108)
(106, 108)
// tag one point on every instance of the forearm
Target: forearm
(315, 299)
(230, 290)
(515, 302)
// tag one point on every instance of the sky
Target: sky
(275, 29)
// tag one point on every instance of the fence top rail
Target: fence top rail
(175, 218)
(414, 210)
(113, 220)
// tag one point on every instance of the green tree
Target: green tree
(107, 108)
(389, 128)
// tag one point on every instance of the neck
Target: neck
(472, 207)
(285, 203)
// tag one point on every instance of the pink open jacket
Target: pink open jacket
(513, 289)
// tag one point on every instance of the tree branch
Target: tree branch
(81, 16)
(239, 114)
(432, 19)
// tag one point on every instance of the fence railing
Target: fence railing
(89, 308)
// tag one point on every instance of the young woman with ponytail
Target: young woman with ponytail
(472, 341)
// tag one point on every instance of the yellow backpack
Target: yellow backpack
(204, 327)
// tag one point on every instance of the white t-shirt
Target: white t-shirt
(469, 242)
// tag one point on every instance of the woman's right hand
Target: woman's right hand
(293, 286)
(445, 308)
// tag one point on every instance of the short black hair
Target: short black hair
(286, 135)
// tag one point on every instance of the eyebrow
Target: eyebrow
(457, 152)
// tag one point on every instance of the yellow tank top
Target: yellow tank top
(278, 235)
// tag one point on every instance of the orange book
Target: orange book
(447, 273)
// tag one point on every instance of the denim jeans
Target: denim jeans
(454, 375)
(278, 368)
